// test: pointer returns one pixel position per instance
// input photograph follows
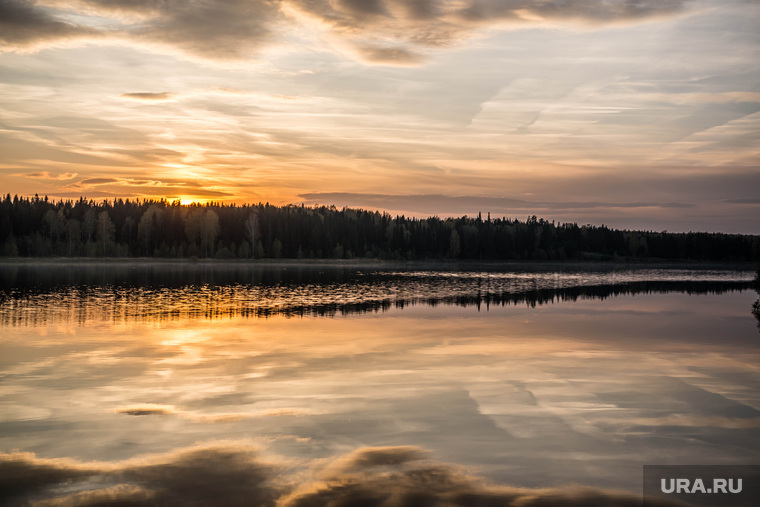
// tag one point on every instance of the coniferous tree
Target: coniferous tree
(39, 227)
(105, 231)
(252, 229)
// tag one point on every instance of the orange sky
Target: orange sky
(637, 115)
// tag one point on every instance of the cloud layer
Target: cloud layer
(24, 25)
(626, 113)
(231, 474)
(375, 31)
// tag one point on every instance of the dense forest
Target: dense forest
(38, 227)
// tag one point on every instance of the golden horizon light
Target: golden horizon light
(596, 112)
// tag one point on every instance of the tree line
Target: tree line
(39, 227)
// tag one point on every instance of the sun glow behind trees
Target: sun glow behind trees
(41, 228)
(602, 111)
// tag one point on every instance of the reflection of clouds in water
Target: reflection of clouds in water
(146, 409)
(573, 393)
(701, 421)
(215, 474)
(235, 474)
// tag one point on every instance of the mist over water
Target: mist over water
(292, 385)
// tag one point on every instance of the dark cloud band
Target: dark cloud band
(24, 25)
(381, 31)
(233, 474)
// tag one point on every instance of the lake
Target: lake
(295, 385)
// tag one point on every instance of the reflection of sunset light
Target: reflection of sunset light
(595, 370)
(184, 336)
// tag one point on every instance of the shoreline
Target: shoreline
(447, 265)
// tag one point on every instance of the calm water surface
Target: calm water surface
(294, 385)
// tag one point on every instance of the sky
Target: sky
(640, 114)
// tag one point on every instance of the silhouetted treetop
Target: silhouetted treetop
(38, 227)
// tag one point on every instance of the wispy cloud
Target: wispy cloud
(126, 186)
(149, 95)
(424, 203)
(748, 200)
(45, 175)
(592, 11)
(389, 55)
(98, 181)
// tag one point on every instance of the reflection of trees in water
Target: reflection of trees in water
(53, 277)
(318, 295)
(756, 304)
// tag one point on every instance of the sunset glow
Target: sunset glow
(636, 115)
(567, 392)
